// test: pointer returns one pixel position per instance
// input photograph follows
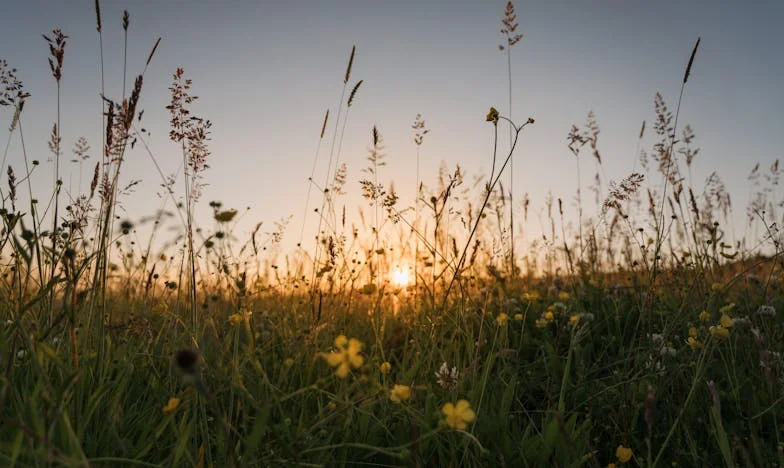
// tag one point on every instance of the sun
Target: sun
(401, 277)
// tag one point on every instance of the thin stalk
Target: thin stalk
(511, 167)
(310, 179)
(488, 192)
(329, 165)
(660, 234)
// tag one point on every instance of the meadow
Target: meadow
(638, 332)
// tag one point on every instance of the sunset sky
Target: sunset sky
(267, 71)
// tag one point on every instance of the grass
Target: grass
(641, 336)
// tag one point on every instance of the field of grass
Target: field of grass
(636, 336)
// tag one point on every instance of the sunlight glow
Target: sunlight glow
(401, 277)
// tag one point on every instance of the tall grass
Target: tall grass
(510, 25)
(629, 338)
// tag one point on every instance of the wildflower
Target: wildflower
(531, 296)
(172, 405)
(458, 415)
(21, 354)
(624, 454)
(742, 321)
(767, 310)
(705, 316)
(492, 116)
(727, 308)
(225, 216)
(587, 316)
(612, 465)
(400, 393)
(563, 296)
(557, 305)
(518, 317)
(288, 362)
(502, 319)
(346, 356)
(715, 287)
(540, 323)
(332, 406)
(725, 321)
(385, 367)
(695, 345)
(447, 378)
(657, 339)
(549, 315)
(693, 332)
(239, 317)
(574, 319)
(719, 332)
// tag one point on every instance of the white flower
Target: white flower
(447, 378)
(766, 310)
(21, 354)
(741, 321)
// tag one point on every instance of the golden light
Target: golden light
(400, 277)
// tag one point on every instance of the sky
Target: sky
(265, 73)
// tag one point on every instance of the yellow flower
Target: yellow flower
(400, 393)
(563, 296)
(346, 356)
(492, 115)
(239, 317)
(716, 287)
(624, 454)
(332, 406)
(727, 308)
(501, 319)
(541, 323)
(574, 319)
(518, 317)
(385, 368)
(719, 332)
(695, 345)
(288, 362)
(171, 406)
(705, 316)
(725, 321)
(612, 465)
(458, 415)
(693, 332)
(531, 296)
(549, 315)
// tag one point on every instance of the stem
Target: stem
(511, 167)
(489, 191)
